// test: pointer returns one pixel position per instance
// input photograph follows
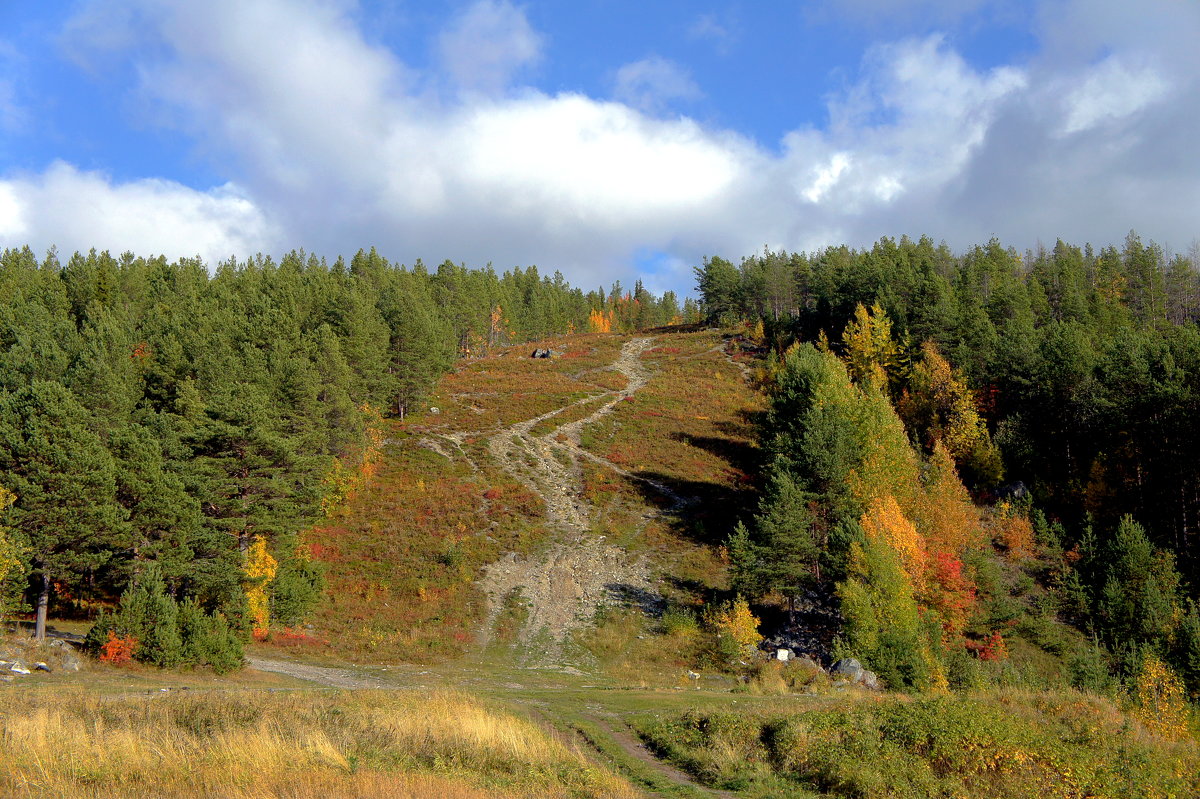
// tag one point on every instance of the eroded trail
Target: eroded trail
(563, 587)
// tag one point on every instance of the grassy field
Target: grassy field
(305, 744)
(990, 744)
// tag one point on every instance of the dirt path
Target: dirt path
(334, 678)
(634, 748)
(564, 586)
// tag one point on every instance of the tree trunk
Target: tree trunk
(43, 604)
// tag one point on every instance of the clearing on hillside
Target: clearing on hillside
(533, 492)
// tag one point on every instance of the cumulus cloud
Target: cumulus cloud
(339, 144)
(652, 83)
(79, 210)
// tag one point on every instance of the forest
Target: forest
(942, 427)
(167, 432)
(943, 432)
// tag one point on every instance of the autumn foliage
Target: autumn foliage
(260, 569)
(1161, 701)
(118, 649)
(885, 522)
(600, 321)
(1013, 532)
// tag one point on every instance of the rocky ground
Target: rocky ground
(563, 587)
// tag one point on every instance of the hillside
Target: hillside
(531, 492)
(514, 609)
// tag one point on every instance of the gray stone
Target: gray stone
(848, 669)
(869, 681)
(40, 666)
(6, 678)
(19, 668)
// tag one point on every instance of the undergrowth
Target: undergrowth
(986, 746)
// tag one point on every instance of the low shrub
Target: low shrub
(157, 630)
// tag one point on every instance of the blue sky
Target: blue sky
(605, 138)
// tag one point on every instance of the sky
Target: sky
(606, 139)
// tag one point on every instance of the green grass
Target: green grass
(994, 744)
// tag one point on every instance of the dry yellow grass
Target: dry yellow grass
(287, 745)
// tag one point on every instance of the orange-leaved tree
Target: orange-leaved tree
(1012, 532)
(944, 512)
(885, 521)
(600, 321)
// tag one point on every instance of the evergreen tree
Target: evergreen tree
(65, 482)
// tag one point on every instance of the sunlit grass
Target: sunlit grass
(294, 745)
(976, 746)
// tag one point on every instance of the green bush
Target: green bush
(169, 634)
(295, 591)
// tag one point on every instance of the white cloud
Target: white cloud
(487, 44)
(340, 145)
(911, 125)
(652, 83)
(1109, 92)
(80, 210)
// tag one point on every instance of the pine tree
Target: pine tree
(65, 482)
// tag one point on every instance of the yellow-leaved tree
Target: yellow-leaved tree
(870, 351)
(1161, 701)
(939, 407)
(734, 628)
(260, 570)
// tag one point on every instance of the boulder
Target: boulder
(541, 353)
(870, 681)
(19, 668)
(847, 669)
(40, 666)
